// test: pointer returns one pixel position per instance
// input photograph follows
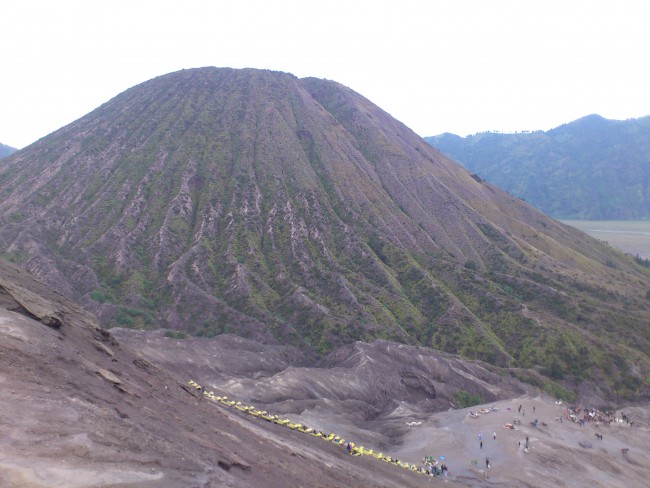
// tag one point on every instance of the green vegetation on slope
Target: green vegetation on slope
(212, 201)
(591, 169)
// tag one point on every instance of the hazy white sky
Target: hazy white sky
(461, 66)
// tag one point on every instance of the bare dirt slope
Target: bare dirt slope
(397, 399)
(81, 408)
(362, 391)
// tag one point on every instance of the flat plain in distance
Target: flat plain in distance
(630, 236)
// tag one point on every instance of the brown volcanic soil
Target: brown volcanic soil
(361, 391)
(82, 409)
(396, 399)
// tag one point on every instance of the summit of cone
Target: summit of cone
(283, 209)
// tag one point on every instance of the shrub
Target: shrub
(466, 399)
(559, 392)
(176, 334)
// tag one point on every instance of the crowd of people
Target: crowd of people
(598, 417)
(432, 467)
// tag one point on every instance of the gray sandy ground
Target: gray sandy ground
(81, 409)
(555, 457)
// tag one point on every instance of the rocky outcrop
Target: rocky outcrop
(419, 383)
(44, 305)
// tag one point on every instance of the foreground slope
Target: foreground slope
(592, 168)
(81, 408)
(218, 200)
(362, 391)
(402, 401)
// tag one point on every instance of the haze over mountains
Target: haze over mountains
(6, 150)
(295, 210)
(592, 168)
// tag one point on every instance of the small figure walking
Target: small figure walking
(487, 463)
(349, 448)
(494, 436)
(481, 444)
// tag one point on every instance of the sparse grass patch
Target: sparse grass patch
(466, 399)
(558, 392)
(176, 334)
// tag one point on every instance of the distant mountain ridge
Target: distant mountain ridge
(592, 168)
(6, 150)
(295, 210)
